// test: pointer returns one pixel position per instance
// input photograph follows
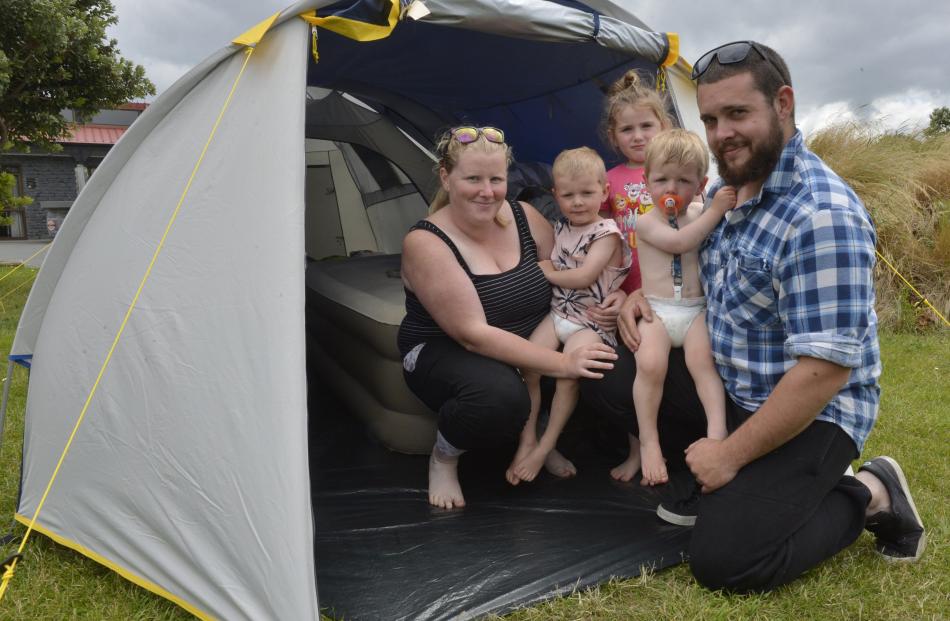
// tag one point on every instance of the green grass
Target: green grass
(55, 583)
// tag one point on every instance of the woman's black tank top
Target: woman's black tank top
(516, 300)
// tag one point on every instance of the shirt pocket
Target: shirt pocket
(749, 298)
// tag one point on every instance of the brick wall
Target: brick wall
(49, 178)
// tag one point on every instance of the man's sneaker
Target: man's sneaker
(899, 532)
(681, 511)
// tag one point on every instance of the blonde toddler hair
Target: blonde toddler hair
(579, 161)
(679, 146)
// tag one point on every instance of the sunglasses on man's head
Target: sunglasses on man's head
(468, 134)
(729, 54)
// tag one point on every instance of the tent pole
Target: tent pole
(6, 395)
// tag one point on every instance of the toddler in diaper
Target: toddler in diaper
(589, 261)
(668, 240)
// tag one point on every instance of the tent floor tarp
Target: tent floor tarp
(383, 553)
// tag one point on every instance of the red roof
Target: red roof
(134, 106)
(95, 134)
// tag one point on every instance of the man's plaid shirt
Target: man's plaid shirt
(790, 273)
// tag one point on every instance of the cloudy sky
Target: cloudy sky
(884, 60)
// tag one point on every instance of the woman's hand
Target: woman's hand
(605, 314)
(588, 360)
(634, 306)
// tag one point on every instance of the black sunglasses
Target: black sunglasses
(729, 54)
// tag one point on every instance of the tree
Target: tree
(54, 55)
(939, 121)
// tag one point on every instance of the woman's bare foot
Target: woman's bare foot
(444, 488)
(629, 468)
(559, 465)
(525, 446)
(528, 467)
(653, 465)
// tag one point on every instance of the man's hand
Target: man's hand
(633, 307)
(710, 463)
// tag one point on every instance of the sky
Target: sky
(883, 61)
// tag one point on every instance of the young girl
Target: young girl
(634, 113)
(589, 261)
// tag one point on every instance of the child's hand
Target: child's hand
(546, 266)
(724, 200)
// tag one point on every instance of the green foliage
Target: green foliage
(939, 121)
(55, 55)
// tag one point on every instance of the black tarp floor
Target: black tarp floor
(383, 553)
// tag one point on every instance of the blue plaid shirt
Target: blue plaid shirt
(789, 273)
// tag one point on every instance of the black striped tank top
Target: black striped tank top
(516, 300)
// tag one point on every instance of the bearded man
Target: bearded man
(788, 277)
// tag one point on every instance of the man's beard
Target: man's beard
(762, 158)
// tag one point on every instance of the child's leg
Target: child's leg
(703, 370)
(562, 406)
(652, 359)
(545, 336)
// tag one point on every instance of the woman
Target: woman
(474, 293)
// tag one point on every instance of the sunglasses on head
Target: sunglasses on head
(729, 54)
(467, 134)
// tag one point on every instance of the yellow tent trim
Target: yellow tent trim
(128, 575)
(353, 29)
(674, 52)
(253, 36)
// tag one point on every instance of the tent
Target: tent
(170, 309)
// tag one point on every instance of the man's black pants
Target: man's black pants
(782, 514)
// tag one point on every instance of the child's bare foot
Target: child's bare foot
(628, 469)
(527, 469)
(525, 446)
(444, 488)
(653, 464)
(559, 465)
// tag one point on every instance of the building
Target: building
(54, 180)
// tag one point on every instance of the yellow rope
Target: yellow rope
(30, 258)
(906, 282)
(9, 572)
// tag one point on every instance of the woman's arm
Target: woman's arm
(432, 272)
(594, 263)
(541, 231)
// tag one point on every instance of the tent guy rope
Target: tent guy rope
(11, 566)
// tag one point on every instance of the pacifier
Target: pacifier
(671, 203)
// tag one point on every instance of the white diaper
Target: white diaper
(677, 315)
(564, 328)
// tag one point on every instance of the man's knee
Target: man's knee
(720, 567)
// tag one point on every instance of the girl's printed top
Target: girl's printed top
(516, 300)
(627, 201)
(571, 246)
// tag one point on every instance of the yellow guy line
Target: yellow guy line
(8, 574)
(30, 258)
(906, 282)
(28, 281)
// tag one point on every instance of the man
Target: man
(788, 277)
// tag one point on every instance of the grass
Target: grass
(52, 582)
